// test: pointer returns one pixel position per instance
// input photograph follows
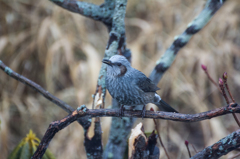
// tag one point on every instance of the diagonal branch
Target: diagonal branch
(82, 111)
(35, 86)
(222, 147)
(101, 13)
(84, 121)
(180, 41)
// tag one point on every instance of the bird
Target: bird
(131, 87)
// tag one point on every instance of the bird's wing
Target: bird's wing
(145, 83)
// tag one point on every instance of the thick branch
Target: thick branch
(102, 13)
(114, 42)
(222, 147)
(180, 41)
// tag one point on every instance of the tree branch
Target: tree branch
(222, 147)
(84, 121)
(36, 87)
(235, 108)
(102, 13)
(180, 41)
(114, 43)
(119, 132)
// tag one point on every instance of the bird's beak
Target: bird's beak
(108, 62)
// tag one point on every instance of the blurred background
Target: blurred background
(62, 52)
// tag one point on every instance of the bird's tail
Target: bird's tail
(163, 106)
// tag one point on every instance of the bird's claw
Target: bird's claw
(121, 111)
(143, 111)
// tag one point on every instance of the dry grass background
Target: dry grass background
(62, 52)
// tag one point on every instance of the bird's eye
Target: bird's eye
(119, 64)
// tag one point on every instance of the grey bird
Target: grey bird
(131, 87)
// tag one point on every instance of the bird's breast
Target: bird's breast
(124, 91)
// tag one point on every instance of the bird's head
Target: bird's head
(117, 65)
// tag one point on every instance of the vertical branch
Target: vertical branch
(116, 44)
(225, 76)
(117, 141)
(186, 144)
(180, 41)
(220, 82)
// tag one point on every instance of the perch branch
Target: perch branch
(180, 41)
(82, 111)
(222, 147)
(220, 82)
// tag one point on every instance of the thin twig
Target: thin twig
(221, 89)
(226, 85)
(227, 100)
(194, 148)
(236, 119)
(186, 143)
(209, 77)
(220, 82)
(159, 137)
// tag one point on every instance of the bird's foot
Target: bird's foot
(121, 111)
(143, 111)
